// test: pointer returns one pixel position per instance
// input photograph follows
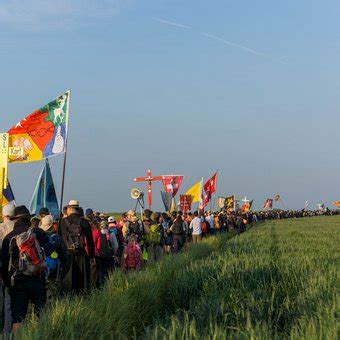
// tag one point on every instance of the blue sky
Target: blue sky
(247, 87)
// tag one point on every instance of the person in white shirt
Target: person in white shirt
(196, 226)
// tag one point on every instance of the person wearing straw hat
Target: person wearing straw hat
(77, 235)
(57, 262)
(133, 226)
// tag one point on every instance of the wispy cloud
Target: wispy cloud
(45, 14)
(172, 23)
(230, 43)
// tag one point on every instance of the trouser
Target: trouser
(24, 291)
(5, 309)
(177, 242)
(155, 253)
(105, 266)
(196, 238)
(78, 278)
(7, 312)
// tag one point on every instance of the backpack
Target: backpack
(134, 228)
(133, 256)
(52, 261)
(119, 235)
(154, 237)
(31, 260)
(205, 227)
(105, 250)
(177, 227)
(74, 237)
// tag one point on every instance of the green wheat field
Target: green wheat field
(278, 280)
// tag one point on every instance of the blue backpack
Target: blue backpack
(52, 261)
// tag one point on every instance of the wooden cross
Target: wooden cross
(149, 178)
(5, 153)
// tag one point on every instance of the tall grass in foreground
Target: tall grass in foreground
(277, 280)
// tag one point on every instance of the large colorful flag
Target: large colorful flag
(196, 191)
(230, 202)
(220, 202)
(43, 133)
(268, 204)
(166, 199)
(44, 195)
(172, 184)
(8, 196)
(185, 202)
(210, 188)
(246, 207)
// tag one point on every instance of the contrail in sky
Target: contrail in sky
(227, 42)
(221, 40)
(172, 23)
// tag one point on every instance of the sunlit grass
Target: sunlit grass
(277, 280)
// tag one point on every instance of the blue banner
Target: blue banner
(44, 195)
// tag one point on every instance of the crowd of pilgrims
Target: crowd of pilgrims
(42, 258)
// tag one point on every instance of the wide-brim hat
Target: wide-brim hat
(47, 222)
(21, 212)
(8, 210)
(73, 204)
(131, 213)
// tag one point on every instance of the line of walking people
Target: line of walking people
(42, 258)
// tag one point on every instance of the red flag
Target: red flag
(204, 201)
(268, 204)
(210, 187)
(185, 202)
(172, 184)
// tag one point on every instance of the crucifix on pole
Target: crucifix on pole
(245, 200)
(6, 152)
(149, 179)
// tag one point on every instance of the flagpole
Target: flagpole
(212, 203)
(200, 202)
(45, 175)
(64, 164)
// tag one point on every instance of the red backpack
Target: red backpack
(132, 255)
(204, 227)
(32, 260)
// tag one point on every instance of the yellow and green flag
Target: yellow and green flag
(196, 191)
